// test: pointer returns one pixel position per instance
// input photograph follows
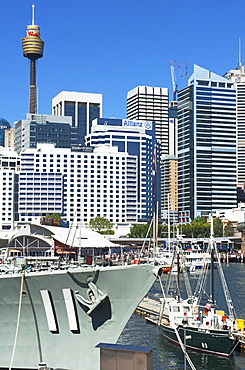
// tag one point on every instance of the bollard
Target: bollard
(42, 366)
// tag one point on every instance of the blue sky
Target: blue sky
(110, 47)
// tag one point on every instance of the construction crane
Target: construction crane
(174, 81)
(184, 77)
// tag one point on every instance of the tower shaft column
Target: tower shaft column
(32, 97)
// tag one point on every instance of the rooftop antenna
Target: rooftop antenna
(33, 15)
(239, 52)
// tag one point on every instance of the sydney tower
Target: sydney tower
(32, 47)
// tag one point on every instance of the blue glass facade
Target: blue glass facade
(42, 129)
(81, 122)
(86, 113)
(58, 133)
(206, 145)
(4, 125)
(70, 111)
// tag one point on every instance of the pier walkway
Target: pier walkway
(149, 307)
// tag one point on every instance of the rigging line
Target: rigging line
(69, 231)
(184, 349)
(18, 320)
(35, 322)
(232, 312)
(200, 286)
(185, 275)
(163, 301)
(141, 251)
(75, 233)
(170, 273)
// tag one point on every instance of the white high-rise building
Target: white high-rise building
(238, 77)
(82, 107)
(9, 168)
(146, 103)
(79, 185)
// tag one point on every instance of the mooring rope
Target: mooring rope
(18, 319)
(184, 349)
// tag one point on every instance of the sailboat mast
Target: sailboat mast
(212, 258)
(155, 217)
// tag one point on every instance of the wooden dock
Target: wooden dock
(149, 308)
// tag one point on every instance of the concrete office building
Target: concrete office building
(146, 103)
(135, 138)
(206, 145)
(9, 169)
(9, 138)
(82, 107)
(169, 170)
(78, 184)
(42, 128)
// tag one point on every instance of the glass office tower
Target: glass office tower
(4, 125)
(206, 145)
(82, 107)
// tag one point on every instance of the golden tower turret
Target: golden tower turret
(32, 47)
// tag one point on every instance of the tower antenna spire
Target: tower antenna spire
(33, 15)
(239, 52)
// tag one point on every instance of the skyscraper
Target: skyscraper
(82, 107)
(146, 103)
(206, 145)
(238, 77)
(32, 47)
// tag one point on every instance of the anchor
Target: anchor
(96, 297)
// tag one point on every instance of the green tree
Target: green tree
(229, 229)
(218, 227)
(140, 231)
(56, 216)
(198, 228)
(101, 225)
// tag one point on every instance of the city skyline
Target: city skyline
(110, 49)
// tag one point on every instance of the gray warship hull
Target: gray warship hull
(58, 317)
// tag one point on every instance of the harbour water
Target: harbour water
(167, 356)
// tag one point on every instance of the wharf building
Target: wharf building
(42, 128)
(82, 107)
(206, 145)
(136, 138)
(79, 184)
